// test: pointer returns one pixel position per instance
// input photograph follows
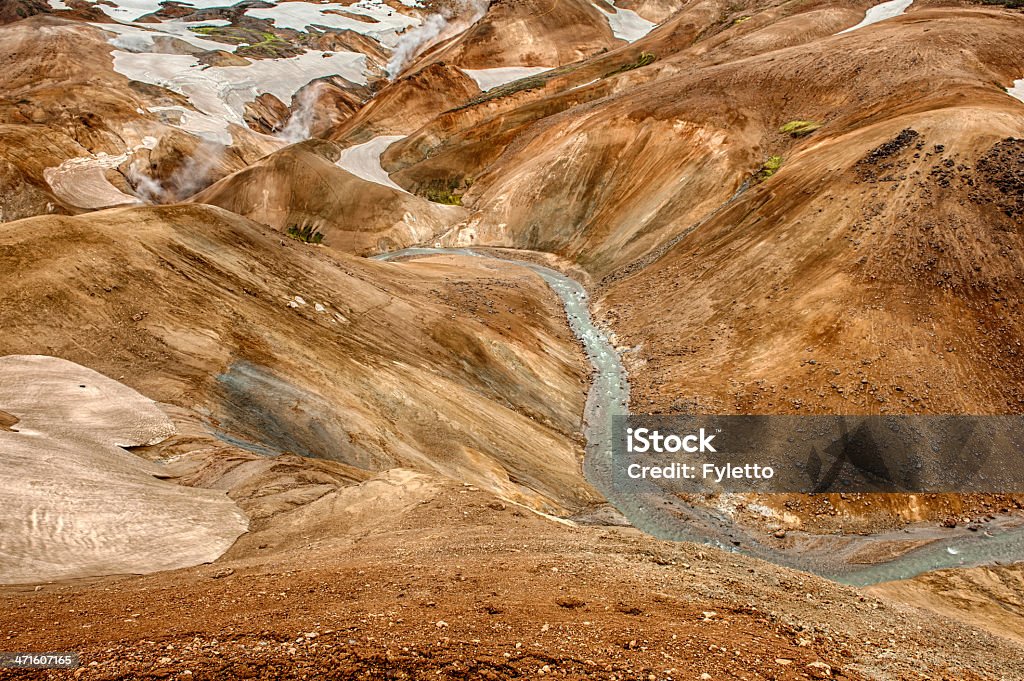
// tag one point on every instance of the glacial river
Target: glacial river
(666, 517)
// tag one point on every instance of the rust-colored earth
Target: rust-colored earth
(771, 216)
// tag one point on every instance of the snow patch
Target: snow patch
(363, 160)
(130, 10)
(1017, 91)
(82, 182)
(140, 38)
(383, 21)
(582, 85)
(886, 10)
(221, 92)
(209, 128)
(75, 503)
(625, 23)
(488, 79)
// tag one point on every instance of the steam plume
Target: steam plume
(298, 126)
(187, 179)
(436, 27)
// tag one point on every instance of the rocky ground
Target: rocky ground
(463, 586)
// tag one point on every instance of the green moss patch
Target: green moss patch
(799, 128)
(305, 234)
(769, 168)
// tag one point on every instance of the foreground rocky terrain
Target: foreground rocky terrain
(424, 577)
(289, 460)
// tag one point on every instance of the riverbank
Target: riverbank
(858, 559)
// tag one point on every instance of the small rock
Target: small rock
(820, 670)
(441, 624)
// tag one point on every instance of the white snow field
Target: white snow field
(130, 10)
(625, 23)
(81, 181)
(206, 127)
(1017, 90)
(380, 21)
(221, 92)
(488, 79)
(141, 37)
(886, 10)
(78, 505)
(363, 160)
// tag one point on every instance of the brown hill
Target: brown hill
(990, 598)
(773, 219)
(64, 101)
(874, 271)
(473, 136)
(408, 103)
(293, 348)
(887, 258)
(883, 249)
(301, 187)
(528, 33)
(613, 178)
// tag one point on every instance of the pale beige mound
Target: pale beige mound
(302, 186)
(82, 182)
(75, 503)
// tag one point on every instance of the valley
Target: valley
(315, 318)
